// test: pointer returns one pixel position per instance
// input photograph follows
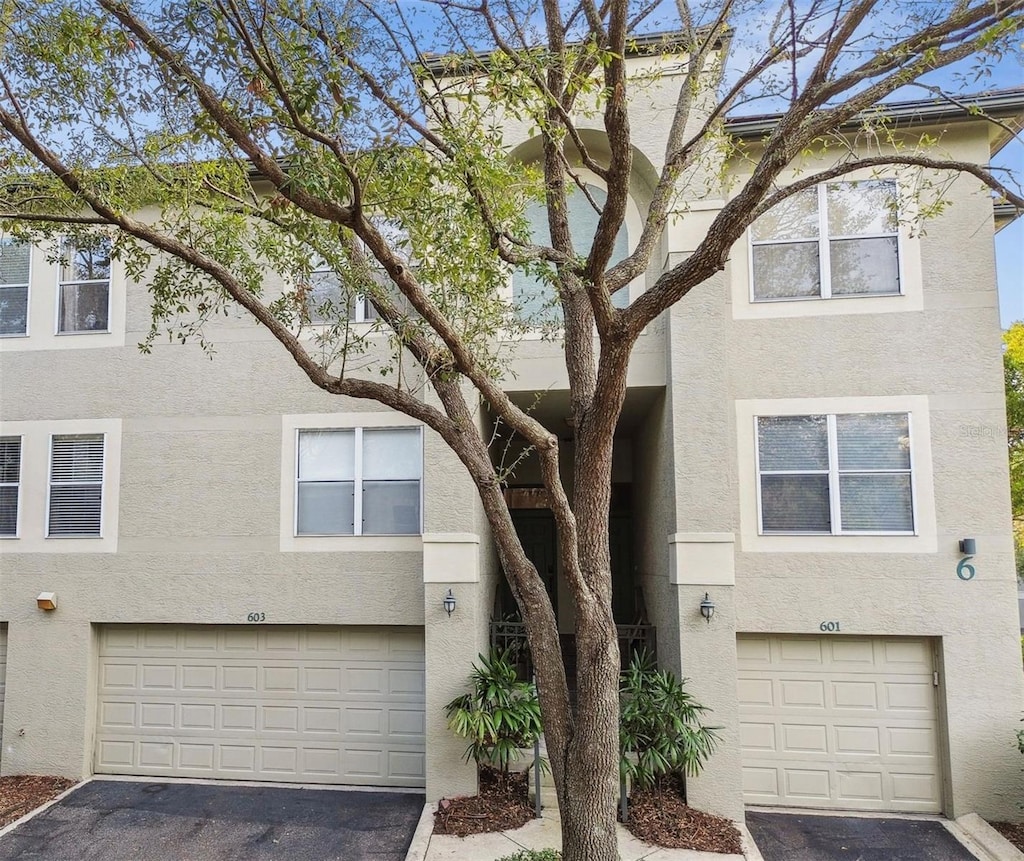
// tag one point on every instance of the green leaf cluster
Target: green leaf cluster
(660, 732)
(499, 715)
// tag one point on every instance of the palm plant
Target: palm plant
(660, 732)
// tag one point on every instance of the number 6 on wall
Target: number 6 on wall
(964, 570)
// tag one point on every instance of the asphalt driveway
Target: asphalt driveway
(123, 820)
(795, 837)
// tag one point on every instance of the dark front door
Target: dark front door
(536, 530)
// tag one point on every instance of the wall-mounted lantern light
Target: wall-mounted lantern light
(707, 608)
(47, 601)
(968, 546)
(449, 602)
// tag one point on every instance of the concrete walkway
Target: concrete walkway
(544, 833)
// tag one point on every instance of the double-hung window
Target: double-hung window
(835, 240)
(14, 280)
(835, 474)
(10, 485)
(326, 302)
(359, 481)
(76, 486)
(84, 290)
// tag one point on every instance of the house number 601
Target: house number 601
(829, 627)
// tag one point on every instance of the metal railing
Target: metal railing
(511, 635)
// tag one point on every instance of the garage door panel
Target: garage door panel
(211, 705)
(829, 734)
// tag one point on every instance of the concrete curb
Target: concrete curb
(984, 837)
(421, 836)
(9, 828)
(747, 844)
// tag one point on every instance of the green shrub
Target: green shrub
(659, 730)
(499, 715)
(534, 855)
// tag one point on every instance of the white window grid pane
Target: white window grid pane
(85, 262)
(75, 492)
(884, 227)
(15, 262)
(10, 485)
(835, 474)
(412, 438)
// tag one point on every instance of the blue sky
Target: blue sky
(1010, 246)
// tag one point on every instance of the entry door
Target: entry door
(536, 530)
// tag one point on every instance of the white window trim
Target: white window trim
(44, 304)
(49, 490)
(61, 284)
(823, 240)
(34, 508)
(834, 473)
(925, 538)
(910, 298)
(292, 543)
(17, 484)
(28, 293)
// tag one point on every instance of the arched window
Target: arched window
(537, 300)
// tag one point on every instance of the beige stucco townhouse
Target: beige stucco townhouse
(249, 574)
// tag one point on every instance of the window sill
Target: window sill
(83, 332)
(352, 544)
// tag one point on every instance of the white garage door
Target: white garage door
(839, 722)
(3, 676)
(296, 704)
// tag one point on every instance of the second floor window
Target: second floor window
(14, 278)
(83, 304)
(10, 485)
(835, 474)
(835, 240)
(326, 303)
(359, 481)
(76, 486)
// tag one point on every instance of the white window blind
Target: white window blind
(14, 281)
(359, 482)
(84, 289)
(76, 486)
(835, 474)
(10, 483)
(837, 239)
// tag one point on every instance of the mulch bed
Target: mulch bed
(662, 818)
(501, 805)
(1012, 831)
(23, 793)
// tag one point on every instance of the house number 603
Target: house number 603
(256, 617)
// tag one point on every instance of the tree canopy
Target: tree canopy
(232, 149)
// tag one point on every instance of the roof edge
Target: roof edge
(1004, 104)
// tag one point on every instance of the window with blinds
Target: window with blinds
(359, 481)
(76, 486)
(10, 485)
(835, 474)
(14, 279)
(835, 240)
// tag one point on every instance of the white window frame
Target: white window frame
(824, 256)
(65, 244)
(361, 312)
(102, 483)
(4, 238)
(834, 473)
(357, 481)
(16, 484)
